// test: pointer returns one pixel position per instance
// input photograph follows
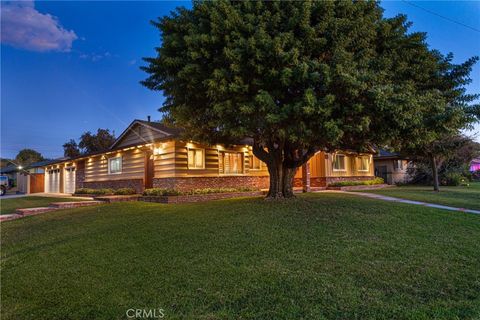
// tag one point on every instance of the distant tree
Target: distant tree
(452, 156)
(70, 149)
(294, 76)
(100, 141)
(28, 156)
(437, 136)
(5, 162)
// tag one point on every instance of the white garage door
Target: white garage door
(54, 181)
(70, 180)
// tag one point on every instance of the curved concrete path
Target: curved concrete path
(420, 203)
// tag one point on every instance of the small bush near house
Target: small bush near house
(153, 192)
(125, 191)
(377, 180)
(173, 192)
(454, 179)
(94, 191)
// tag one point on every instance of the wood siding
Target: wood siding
(140, 135)
(133, 162)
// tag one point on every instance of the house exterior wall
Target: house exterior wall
(171, 169)
(322, 172)
(133, 162)
(385, 168)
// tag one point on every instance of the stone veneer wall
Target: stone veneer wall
(79, 178)
(189, 183)
(136, 184)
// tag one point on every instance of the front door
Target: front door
(382, 173)
(149, 170)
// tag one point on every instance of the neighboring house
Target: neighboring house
(391, 167)
(149, 154)
(11, 172)
(475, 165)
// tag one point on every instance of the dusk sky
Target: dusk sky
(70, 67)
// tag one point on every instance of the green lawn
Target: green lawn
(462, 196)
(10, 205)
(320, 256)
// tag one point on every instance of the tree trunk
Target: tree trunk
(275, 169)
(433, 162)
(282, 165)
(288, 174)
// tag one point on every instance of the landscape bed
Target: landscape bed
(190, 198)
(318, 256)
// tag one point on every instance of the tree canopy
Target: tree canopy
(71, 149)
(89, 143)
(296, 77)
(28, 156)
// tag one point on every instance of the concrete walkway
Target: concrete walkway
(420, 203)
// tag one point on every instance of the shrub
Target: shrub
(94, 191)
(377, 180)
(452, 179)
(161, 192)
(173, 192)
(84, 191)
(125, 191)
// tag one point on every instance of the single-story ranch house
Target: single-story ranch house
(150, 155)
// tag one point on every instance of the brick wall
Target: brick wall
(323, 181)
(189, 183)
(136, 184)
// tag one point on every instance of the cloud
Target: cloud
(95, 56)
(132, 62)
(26, 28)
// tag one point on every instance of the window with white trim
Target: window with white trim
(255, 163)
(398, 165)
(196, 158)
(230, 162)
(115, 165)
(364, 164)
(339, 162)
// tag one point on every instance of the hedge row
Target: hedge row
(106, 191)
(377, 180)
(173, 192)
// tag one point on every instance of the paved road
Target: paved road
(12, 196)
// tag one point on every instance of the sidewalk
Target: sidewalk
(420, 203)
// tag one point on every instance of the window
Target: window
(255, 163)
(398, 165)
(230, 162)
(196, 159)
(115, 165)
(339, 162)
(364, 163)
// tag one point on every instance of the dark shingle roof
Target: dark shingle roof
(160, 126)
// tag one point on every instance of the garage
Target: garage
(69, 180)
(53, 181)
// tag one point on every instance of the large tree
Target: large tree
(70, 149)
(28, 156)
(89, 142)
(438, 136)
(100, 141)
(295, 77)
